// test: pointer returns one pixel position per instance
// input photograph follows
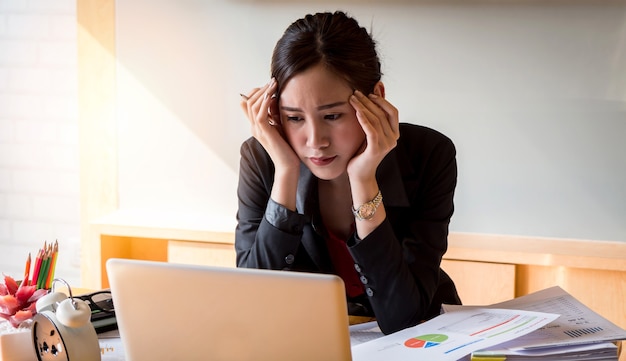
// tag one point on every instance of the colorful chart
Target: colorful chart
(425, 341)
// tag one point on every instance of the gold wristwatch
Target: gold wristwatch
(367, 210)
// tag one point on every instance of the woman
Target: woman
(331, 181)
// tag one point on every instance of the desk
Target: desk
(486, 268)
(112, 348)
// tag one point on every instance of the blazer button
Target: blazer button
(357, 267)
(289, 259)
(369, 292)
(364, 280)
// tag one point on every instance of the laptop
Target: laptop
(168, 311)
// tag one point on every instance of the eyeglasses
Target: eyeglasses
(102, 310)
(100, 301)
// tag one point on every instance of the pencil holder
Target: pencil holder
(17, 346)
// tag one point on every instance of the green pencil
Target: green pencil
(45, 267)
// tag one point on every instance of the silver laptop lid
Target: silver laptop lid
(168, 311)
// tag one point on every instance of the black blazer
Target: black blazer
(399, 262)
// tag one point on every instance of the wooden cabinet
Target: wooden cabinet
(202, 253)
(159, 236)
(481, 283)
(206, 253)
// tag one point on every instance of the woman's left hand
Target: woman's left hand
(379, 120)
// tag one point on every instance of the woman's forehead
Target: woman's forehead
(316, 86)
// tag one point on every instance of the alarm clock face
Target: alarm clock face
(47, 340)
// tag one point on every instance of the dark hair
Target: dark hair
(333, 39)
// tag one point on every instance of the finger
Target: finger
(247, 100)
(368, 113)
(244, 105)
(376, 123)
(259, 105)
(374, 108)
(255, 106)
(274, 110)
(391, 113)
(268, 101)
(254, 102)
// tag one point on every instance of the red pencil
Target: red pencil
(37, 268)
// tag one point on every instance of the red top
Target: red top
(344, 264)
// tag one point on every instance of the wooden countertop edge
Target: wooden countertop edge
(594, 254)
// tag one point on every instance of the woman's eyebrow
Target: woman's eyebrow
(321, 107)
(331, 105)
(290, 109)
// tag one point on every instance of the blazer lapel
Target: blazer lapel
(307, 202)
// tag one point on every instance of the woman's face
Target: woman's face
(319, 122)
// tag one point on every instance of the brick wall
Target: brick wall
(39, 161)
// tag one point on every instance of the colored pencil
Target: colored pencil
(36, 268)
(42, 268)
(53, 264)
(26, 279)
(45, 266)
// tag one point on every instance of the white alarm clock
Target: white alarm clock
(62, 329)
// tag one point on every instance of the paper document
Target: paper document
(364, 332)
(453, 335)
(599, 351)
(111, 347)
(577, 325)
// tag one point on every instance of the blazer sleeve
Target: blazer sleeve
(400, 261)
(267, 235)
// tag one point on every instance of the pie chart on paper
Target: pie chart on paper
(425, 341)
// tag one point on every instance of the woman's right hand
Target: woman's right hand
(261, 108)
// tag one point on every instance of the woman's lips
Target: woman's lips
(321, 161)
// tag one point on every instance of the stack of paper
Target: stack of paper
(578, 334)
(453, 335)
(605, 351)
(549, 325)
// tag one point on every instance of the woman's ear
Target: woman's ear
(379, 89)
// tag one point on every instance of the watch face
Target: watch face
(367, 210)
(47, 340)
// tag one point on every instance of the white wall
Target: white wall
(533, 95)
(39, 178)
